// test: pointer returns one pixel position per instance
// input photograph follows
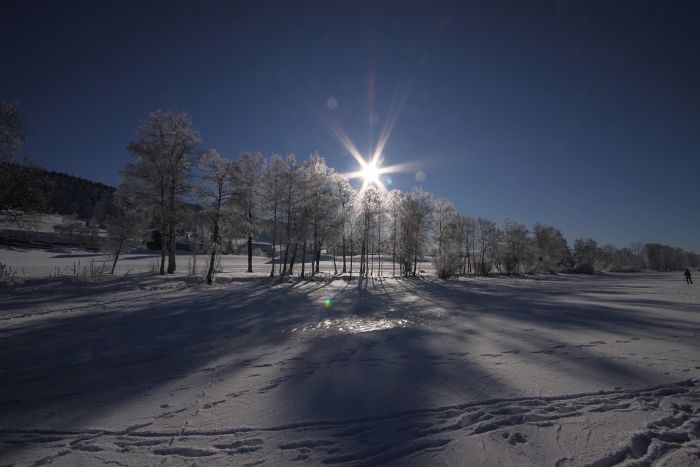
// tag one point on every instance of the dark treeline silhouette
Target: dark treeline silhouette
(66, 195)
(58, 193)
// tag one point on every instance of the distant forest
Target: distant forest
(66, 194)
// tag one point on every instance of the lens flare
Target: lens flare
(327, 303)
(332, 103)
(386, 180)
(420, 176)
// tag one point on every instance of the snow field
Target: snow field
(148, 370)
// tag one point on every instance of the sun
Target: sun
(370, 172)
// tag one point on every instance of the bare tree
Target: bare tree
(322, 205)
(343, 195)
(414, 210)
(370, 207)
(273, 195)
(216, 192)
(443, 222)
(70, 225)
(637, 249)
(466, 228)
(515, 244)
(127, 229)
(251, 167)
(485, 234)
(290, 210)
(161, 176)
(446, 252)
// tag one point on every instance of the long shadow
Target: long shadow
(96, 350)
(536, 308)
(388, 378)
(48, 366)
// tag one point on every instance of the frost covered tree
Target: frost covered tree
(161, 176)
(551, 249)
(414, 209)
(216, 192)
(127, 229)
(637, 250)
(370, 205)
(251, 167)
(486, 234)
(443, 222)
(354, 231)
(465, 227)
(273, 196)
(446, 251)
(322, 205)
(290, 210)
(393, 201)
(585, 252)
(343, 194)
(516, 243)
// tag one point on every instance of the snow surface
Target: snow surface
(143, 370)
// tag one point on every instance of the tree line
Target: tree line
(304, 207)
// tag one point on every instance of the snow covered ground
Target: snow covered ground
(142, 370)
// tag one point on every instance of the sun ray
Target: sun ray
(369, 169)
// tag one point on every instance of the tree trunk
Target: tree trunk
(344, 264)
(286, 256)
(163, 248)
(171, 230)
(116, 258)
(215, 240)
(318, 258)
(303, 260)
(250, 253)
(351, 252)
(362, 257)
(171, 250)
(393, 253)
(274, 239)
(294, 255)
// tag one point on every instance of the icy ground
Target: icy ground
(142, 370)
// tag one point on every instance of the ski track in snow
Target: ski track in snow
(671, 431)
(560, 371)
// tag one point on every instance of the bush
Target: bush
(446, 264)
(585, 268)
(7, 275)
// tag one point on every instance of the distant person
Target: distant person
(688, 280)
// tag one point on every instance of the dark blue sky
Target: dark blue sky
(581, 115)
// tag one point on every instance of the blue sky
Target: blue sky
(580, 115)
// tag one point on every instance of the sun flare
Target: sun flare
(370, 173)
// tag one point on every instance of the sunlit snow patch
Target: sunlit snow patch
(354, 325)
